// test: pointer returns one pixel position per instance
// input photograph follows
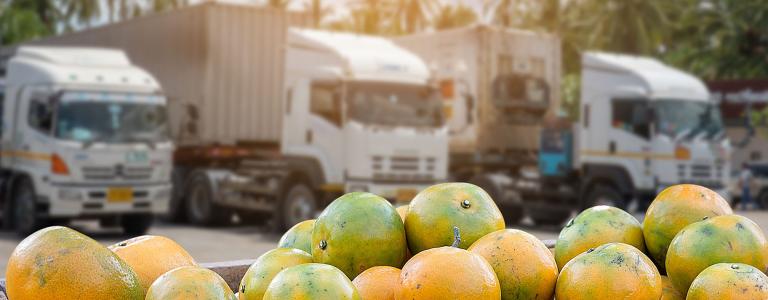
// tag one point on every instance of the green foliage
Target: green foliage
(454, 16)
(19, 24)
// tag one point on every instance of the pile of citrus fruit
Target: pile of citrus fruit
(450, 242)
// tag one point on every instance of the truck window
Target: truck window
(40, 115)
(326, 103)
(631, 115)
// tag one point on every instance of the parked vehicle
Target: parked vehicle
(84, 135)
(497, 85)
(758, 187)
(272, 122)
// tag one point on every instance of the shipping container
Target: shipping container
(225, 60)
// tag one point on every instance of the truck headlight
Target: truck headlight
(70, 195)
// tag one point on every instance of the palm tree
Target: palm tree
(20, 24)
(454, 16)
(413, 15)
(81, 12)
(318, 11)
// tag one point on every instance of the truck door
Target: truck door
(325, 125)
(629, 139)
(33, 125)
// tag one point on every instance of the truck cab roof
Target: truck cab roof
(77, 66)
(364, 57)
(659, 80)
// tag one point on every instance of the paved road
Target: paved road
(237, 242)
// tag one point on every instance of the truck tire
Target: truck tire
(512, 212)
(25, 218)
(603, 194)
(176, 209)
(200, 208)
(135, 225)
(762, 199)
(299, 204)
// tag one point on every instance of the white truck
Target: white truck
(643, 126)
(273, 124)
(84, 135)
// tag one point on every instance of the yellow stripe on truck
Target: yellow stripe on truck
(641, 155)
(26, 155)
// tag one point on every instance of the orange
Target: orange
(311, 282)
(594, 227)
(190, 283)
(265, 268)
(674, 208)
(61, 263)
(298, 237)
(727, 281)
(523, 264)
(668, 291)
(358, 231)
(447, 273)
(721, 239)
(611, 271)
(377, 283)
(434, 212)
(151, 256)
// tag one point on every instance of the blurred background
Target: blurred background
(222, 123)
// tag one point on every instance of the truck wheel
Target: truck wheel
(762, 199)
(512, 212)
(602, 194)
(134, 225)
(25, 219)
(176, 207)
(199, 205)
(298, 205)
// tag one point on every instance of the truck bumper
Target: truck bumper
(395, 192)
(92, 200)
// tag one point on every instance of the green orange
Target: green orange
(265, 268)
(721, 239)
(311, 282)
(673, 209)
(434, 212)
(523, 264)
(358, 231)
(594, 227)
(611, 271)
(298, 237)
(728, 281)
(61, 263)
(190, 283)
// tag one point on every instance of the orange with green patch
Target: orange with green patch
(721, 239)
(434, 212)
(377, 283)
(447, 273)
(190, 283)
(311, 282)
(594, 227)
(61, 263)
(729, 281)
(298, 237)
(668, 291)
(611, 271)
(523, 264)
(673, 209)
(358, 231)
(265, 268)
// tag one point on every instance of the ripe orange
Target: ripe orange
(674, 208)
(595, 227)
(151, 256)
(61, 263)
(190, 283)
(727, 281)
(611, 271)
(721, 239)
(377, 283)
(434, 212)
(447, 273)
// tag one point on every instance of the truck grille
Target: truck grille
(117, 172)
(403, 168)
(701, 171)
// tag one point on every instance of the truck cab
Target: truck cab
(84, 135)
(364, 109)
(645, 126)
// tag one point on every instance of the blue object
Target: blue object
(555, 151)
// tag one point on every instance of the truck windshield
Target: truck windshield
(111, 122)
(688, 119)
(394, 104)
